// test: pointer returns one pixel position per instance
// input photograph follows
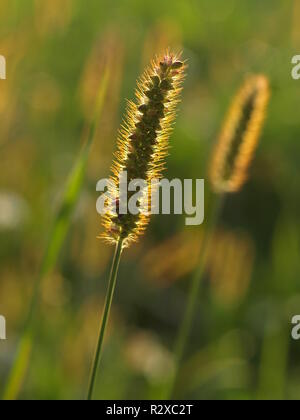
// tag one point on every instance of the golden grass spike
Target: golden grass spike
(143, 141)
(239, 137)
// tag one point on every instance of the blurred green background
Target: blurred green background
(57, 52)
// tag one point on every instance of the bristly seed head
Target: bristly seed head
(143, 142)
(239, 137)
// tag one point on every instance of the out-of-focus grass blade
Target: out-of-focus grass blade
(19, 369)
(275, 348)
(56, 239)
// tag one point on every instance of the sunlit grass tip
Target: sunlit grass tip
(239, 136)
(143, 143)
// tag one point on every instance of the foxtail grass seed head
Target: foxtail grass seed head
(240, 135)
(143, 144)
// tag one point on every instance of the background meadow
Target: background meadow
(58, 54)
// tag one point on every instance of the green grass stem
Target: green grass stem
(105, 318)
(193, 295)
(55, 242)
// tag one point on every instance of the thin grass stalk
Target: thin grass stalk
(55, 242)
(229, 169)
(194, 292)
(142, 148)
(105, 317)
(275, 348)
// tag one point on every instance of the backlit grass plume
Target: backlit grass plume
(239, 136)
(228, 172)
(141, 153)
(143, 142)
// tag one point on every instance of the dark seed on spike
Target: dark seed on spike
(177, 65)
